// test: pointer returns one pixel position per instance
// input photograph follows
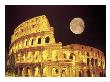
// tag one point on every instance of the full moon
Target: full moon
(77, 25)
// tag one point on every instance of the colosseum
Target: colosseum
(37, 54)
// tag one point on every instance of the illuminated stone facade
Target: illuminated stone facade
(37, 54)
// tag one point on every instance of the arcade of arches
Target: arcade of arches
(38, 55)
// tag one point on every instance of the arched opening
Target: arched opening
(21, 30)
(101, 63)
(32, 42)
(47, 39)
(64, 55)
(96, 63)
(39, 40)
(81, 73)
(88, 73)
(88, 54)
(26, 42)
(88, 61)
(16, 71)
(54, 72)
(28, 72)
(71, 56)
(82, 47)
(21, 69)
(64, 72)
(100, 74)
(92, 62)
(91, 49)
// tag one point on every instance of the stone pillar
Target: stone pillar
(18, 71)
(40, 71)
(49, 54)
(29, 72)
(24, 58)
(85, 72)
(24, 72)
(59, 71)
(89, 62)
(41, 66)
(70, 69)
(43, 39)
(77, 72)
(49, 71)
(59, 52)
(73, 71)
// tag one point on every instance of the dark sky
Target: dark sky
(59, 17)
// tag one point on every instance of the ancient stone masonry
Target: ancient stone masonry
(38, 55)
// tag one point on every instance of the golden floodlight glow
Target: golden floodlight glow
(35, 53)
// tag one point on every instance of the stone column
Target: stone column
(49, 71)
(89, 62)
(59, 71)
(41, 66)
(77, 72)
(70, 69)
(40, 71)
(85, 72)
(49, 54)
(18, 71)
(24, 72)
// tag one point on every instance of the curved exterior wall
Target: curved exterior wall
(37, 54)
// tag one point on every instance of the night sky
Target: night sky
(59, 17)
